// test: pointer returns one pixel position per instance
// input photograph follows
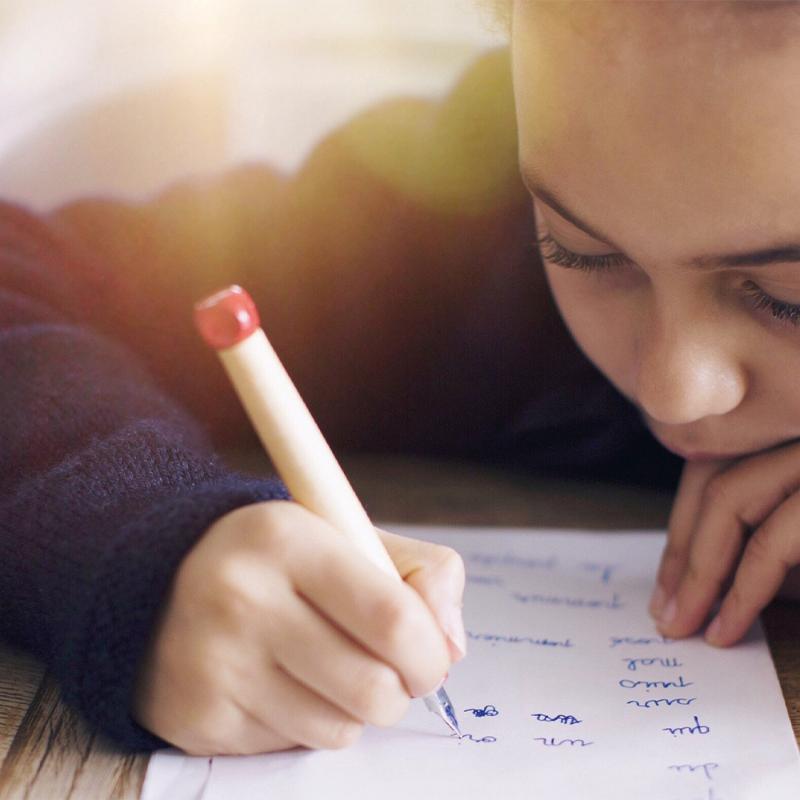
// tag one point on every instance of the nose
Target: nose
(687, 372)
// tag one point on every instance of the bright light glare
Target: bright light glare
(260, 79)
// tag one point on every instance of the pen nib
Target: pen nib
(439, 703)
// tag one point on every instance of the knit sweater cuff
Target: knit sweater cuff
(88, 550)
(133, 579)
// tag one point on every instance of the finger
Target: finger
(713, 550)
(769, 555)
(436, 573)
(683, 516)
(381, 613)
(281, 704)
(211, 728)
(253, 737)
(322, 658)
(733, 501)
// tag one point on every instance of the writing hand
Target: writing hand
(277, 633)
(736, 520)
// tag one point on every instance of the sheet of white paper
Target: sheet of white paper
(568, 692)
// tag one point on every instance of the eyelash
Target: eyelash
(556, 253)
(780, 309)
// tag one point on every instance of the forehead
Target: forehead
(648, 116)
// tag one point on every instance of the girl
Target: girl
(181, 602)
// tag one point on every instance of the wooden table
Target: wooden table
(47, 753)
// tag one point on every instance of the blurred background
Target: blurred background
(123, 97)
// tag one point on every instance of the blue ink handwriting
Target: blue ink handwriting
(707, 767)
(572, 602)
(497, 638)
(663, 701)
(486, 711)
(564, 719)
(618, 640)
(634, 663)
(605, 570)
(470, 738)
(698, 727)
(486, 580)
(512, 560)
(553, 742)
(627, 683)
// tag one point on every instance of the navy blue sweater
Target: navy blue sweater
(408, 327)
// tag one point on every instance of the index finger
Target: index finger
(682, 522)
(384, 615)
(769, 555)
(436, 573)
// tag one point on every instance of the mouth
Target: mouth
(692, 449)
(697, 454)
(700, 455)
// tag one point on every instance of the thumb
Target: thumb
(436, 573)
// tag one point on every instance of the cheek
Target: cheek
(602, 322)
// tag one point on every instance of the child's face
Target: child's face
(669, 134)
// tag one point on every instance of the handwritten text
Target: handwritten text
(635, 663)
(663, 701)
(564, 719)
(680, 683)
(698, 727)
(707, 768)
(497, 638)
(570, 602)
(486, 711)
(553, 742)
(618, 640)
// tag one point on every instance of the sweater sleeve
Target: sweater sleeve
(366, 284)
(105, 483)
(396, 273)
(393, 273)
(396, 278)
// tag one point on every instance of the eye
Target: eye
(556, 253)
(779, 309)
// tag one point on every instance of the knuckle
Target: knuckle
(274, 534)
(340, 734)
(449, 561)
(762, 545)
(269, 528)
(391, 613)
(213, 730)
(700, 572)
(376, 693)
(235, 586)
(718, 492)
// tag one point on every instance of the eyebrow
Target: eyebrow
(776, 254)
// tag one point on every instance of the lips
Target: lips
(691, 456)
(694, 453)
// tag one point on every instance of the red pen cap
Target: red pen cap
(226, 317)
